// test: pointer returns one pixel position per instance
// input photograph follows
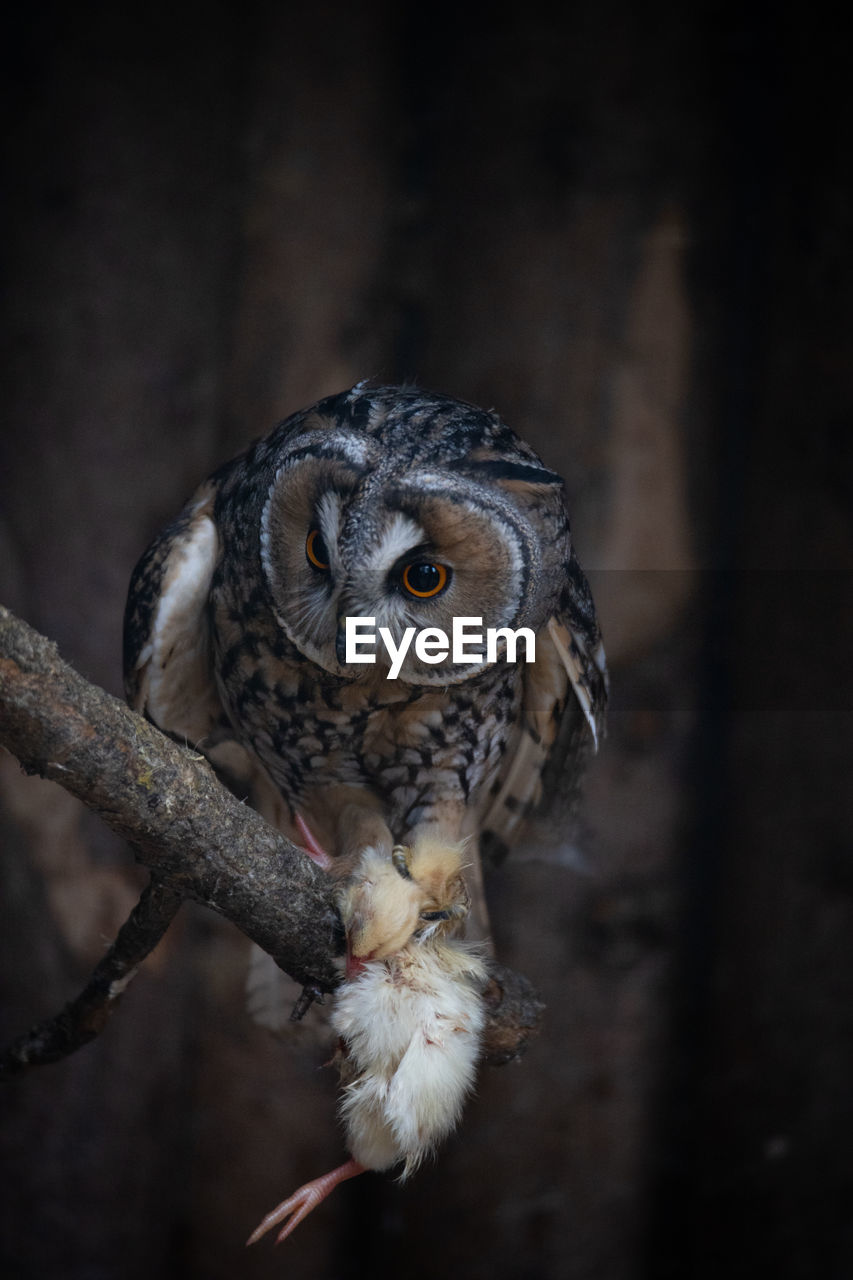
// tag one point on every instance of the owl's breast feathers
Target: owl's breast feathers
(418, 748)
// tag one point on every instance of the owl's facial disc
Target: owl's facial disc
(423, 566)
(337, 543)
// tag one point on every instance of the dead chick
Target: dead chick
(409, 1016)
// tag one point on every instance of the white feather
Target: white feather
(412, 1027)
(402, 534)
(177, 689)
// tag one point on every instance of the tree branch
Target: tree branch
(82, 1019)
(199, 841)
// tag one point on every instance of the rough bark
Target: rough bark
(198, 840)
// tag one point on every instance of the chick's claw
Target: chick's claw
(300, 1204)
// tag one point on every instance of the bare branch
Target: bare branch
(82, 1019)
(167, 801)
(197, 839)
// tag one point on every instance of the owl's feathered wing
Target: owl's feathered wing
(168, 677)
(168, 671)
(167, 649)
(563, 710)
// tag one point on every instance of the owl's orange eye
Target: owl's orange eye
(317, 551)
(424, 579)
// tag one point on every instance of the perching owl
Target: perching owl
(411, 509)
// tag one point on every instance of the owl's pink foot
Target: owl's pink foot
(315, 851)
(300, 1204)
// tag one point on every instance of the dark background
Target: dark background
(627, 228)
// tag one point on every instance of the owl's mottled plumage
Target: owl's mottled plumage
(234, 625)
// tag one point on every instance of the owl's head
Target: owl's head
(411, 509)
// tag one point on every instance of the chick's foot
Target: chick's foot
(300, 1204)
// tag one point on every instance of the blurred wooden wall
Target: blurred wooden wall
(627, 228)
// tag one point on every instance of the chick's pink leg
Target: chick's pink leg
(300, 1204)
(312, 847)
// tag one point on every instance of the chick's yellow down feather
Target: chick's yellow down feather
(409, 1016)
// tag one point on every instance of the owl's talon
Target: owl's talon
(308, 995)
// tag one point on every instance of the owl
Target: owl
(392, 513)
